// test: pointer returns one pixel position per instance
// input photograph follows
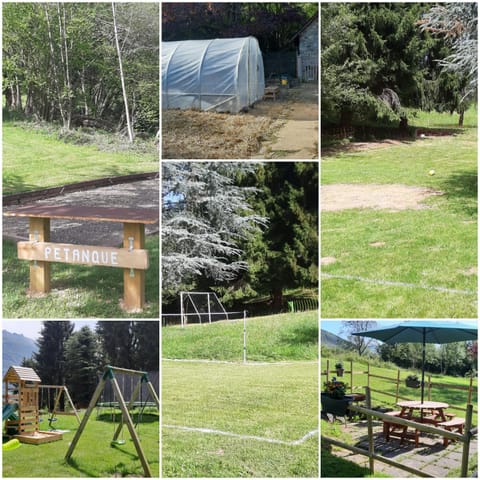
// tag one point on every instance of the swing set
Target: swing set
(109, 376)
(57, 391)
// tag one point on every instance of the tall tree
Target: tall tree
(456, 23)
(118, 343)
(147, 354)
(82, 365)
(356, 326)
(205, 216)
(122, 76)
(50, 358)
(290, 201)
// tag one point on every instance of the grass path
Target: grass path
(433, 248)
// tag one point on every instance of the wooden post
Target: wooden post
(133, 398)
(91, 406)
(368, 375)
(351, 376)
(429, 388)
(39, 271)
(133, 279)
(397, 392)
(67, 394)
(466, 442)
(370, 431)
(131, 428)
(470, 389)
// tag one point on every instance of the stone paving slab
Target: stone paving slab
(431, 456)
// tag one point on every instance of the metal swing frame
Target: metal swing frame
(109, 375)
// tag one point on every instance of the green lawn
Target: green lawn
(292, 336)
(277, 402)
(93, 455)
(33, 160)
(77, 291)
(432, 249)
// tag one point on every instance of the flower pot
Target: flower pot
(335, 406)
(412, 383)
(340, 372)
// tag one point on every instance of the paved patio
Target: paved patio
(430, 457)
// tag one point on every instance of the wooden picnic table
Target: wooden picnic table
(435, 415)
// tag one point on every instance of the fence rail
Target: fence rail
(398, 381)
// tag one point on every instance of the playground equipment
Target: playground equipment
(58, 391)
(20, 407)
(109, 375)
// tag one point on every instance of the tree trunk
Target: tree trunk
(460, 118)
(277, 299)
(122, 78)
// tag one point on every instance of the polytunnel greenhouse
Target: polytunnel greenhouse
(224, 75)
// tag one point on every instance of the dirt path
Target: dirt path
(142, 194)
(389, 197)
(297, 135)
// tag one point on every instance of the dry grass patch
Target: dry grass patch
(194, 134)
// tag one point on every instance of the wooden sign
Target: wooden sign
(83, 254)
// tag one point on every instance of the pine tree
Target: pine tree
(205, 216)
(82, 365)
(118, 343)
(50, 358)
(285, 254)
(147, 353)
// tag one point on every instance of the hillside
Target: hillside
(292, 336)
(15, 348)
(331, 340)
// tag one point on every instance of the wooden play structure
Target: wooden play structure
(20, 407)
(109, 375)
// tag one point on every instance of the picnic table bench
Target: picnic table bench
(133, 257)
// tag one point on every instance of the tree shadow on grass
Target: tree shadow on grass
(461, 190)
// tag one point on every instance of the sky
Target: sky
(334, 326)
(31, 328)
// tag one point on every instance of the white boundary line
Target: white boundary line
(261, 364)
(398, 284)
(245, 437)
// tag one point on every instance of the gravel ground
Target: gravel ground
(142, 194)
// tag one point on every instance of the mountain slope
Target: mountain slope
(15, 348)
(331, 340)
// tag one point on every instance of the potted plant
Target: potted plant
(334, 400)
(412, 381)
(339, 368)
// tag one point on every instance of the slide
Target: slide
(9, 411)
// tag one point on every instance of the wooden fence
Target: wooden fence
(465, 438)
(398, 381)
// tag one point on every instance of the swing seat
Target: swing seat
(117, 442)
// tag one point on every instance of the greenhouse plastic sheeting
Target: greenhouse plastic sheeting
(225, 74)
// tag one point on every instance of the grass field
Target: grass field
(93, 455)
(34, 160)
(410, 263)
(77, 291)
(222, 418)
